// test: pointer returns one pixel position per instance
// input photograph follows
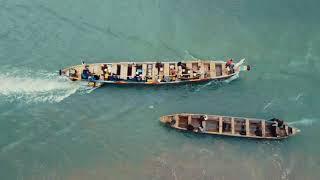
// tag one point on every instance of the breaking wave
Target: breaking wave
(42, 86)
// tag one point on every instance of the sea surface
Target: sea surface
(51, 128)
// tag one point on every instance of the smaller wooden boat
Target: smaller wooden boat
(230, 126)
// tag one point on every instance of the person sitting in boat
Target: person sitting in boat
(173, 73)
(279, 121)
(258, 131)
(200, 120)
(243, 129)
(190, 127)
(85, 73)
(138, 76)
(230, 66)
(202, 124)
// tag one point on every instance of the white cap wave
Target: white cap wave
(28, 86)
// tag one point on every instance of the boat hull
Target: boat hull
(153, 73)
(218, 126)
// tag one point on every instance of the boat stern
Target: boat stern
(167, 119)
(73, 73)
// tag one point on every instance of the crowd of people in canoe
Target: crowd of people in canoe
(181, 73)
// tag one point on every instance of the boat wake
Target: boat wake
(232, 78)
(216, 83)
(33, 87)
(303, 122)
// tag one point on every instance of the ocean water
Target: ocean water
(51, 128)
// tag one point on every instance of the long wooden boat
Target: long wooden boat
(153, 73)
(230, 126)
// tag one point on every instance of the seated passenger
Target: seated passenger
(173, 74)
(85, 73)
(190, 127)
(106, 76)
(201, 119)
(138, 76)
(243, 129)
(279, 122)
(258, 131)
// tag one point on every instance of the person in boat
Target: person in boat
(258, 131)
(103, 66)
(230, 66)
(279, 121)
(138, 76)
(201, 122)
(85, 73)
(243, 129)
(190, 127)
(113, 77)
(173, 73)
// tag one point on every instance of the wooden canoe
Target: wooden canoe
(229, 126)
(154, 73)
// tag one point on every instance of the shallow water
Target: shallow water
(51, 128)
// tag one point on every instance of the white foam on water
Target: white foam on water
(303, 122)
(203, 86)
(267, 105)
(27, 86)
(216, 83)
(298, 96)
(188, 55)
(236, 76)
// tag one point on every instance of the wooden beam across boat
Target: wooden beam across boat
(247, 127)
(220, 125)
(215, 126)
(263, 128)
(232, 125)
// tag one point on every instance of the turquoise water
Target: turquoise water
(51, 128)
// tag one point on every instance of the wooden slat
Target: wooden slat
(166, 69)
(189, 119)
(201, 65)
(176, 117)
(189, 66)
(220, 125)
(232, 125)
(247, 127)
(263, 128)
(144, 71)
(134, 69)
(224, 69)
(287, 130)
(154, 72)
(124, 71)
(114, 68)
(212, 69)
